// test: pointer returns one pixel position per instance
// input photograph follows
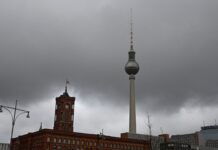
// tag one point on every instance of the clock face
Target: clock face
(67, 106)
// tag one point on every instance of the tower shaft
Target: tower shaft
(132, 107)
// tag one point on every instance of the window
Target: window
(90, 143)
(73, 141)
(105, 144)
(121, 146)
(48, 139)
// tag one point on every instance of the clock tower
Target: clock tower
(64, 112)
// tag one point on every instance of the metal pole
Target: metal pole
(13, 123)
(13, 120)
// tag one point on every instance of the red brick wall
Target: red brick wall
(52, 140)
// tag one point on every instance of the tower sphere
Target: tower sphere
(132, 67)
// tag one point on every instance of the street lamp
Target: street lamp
(100, 136)
(14, 116)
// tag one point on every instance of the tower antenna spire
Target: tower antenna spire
(131, 31)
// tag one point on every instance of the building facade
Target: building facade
(174, 146)
(47, 139)
(154, 140)
(4, 146)
(205, 139)
(191, 139)
(208, 137)
(212, 143)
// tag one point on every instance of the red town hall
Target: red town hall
(63, 137)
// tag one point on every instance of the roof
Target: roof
(80, 135)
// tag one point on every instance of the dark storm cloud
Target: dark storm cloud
(44, 42)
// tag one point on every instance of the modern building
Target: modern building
(205, 139)
(212, 143)
(63, 137)
(4, 146)
(191, 139)
(208, 137)
(154, 140)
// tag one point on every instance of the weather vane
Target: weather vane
(67, 82)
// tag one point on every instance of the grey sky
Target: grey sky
(44, 42)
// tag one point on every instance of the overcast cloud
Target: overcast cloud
(43, 42)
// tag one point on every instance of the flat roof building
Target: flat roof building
(191, 139)
(48, 139)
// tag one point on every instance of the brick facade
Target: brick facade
(48, 139)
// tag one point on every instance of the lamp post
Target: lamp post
(100, 137)
(14, 115)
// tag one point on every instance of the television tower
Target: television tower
(132, 68)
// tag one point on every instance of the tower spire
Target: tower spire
(67, 82)
(40, 128)
(131, 31)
